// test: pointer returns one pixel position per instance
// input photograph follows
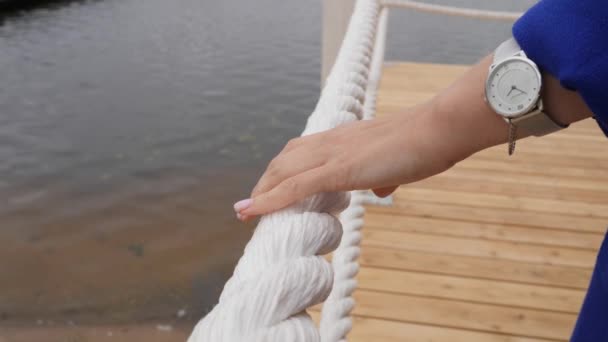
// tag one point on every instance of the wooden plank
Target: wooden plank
(473, 290)
(425, 77)
(463, 315)
(565, 151)
(476, 174)
(494, 215)
(504, 250)
(570, 140)
(516, 203)
(476, 267)
(479, 181)
(478, 230)
(526, 156)
(557, 171)
(366, 329)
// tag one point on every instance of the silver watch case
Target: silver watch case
(535, 106)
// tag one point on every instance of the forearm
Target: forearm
(383, 153)
(460, 115)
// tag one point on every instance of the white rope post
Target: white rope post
(336, 16)
(375, 73)
(282, 272)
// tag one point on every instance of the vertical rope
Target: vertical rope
(336, 322)
(375, 75)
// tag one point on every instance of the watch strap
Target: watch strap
(507, 49)
(537, 123)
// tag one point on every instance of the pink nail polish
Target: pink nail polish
(239, 217)
(242, 205)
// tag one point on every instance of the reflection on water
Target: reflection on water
(129, 127)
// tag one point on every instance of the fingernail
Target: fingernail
(239, 217)
(242, 205)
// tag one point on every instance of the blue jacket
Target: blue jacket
(569, 39)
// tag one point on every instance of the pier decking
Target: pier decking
(497, 249)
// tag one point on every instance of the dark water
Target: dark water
(129, 127)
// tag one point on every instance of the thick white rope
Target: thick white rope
(451, 10)
(336, 322)
(282, 272)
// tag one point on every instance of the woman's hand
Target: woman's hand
(383, 153)
(379, 154)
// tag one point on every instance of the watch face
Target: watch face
(513, 87)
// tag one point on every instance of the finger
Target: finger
(305, 145)
(244, 218)
(383, 192)
(287, 192)
(286, 166)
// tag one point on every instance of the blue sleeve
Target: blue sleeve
(569, 39)
(592, 323)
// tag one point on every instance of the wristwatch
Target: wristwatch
(513, 91)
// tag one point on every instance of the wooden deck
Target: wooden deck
(498, 249)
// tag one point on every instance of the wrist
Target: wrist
(464, 119)
(457, 130)
(439, 131)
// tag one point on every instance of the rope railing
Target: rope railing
(451, 10)
(282, 271)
